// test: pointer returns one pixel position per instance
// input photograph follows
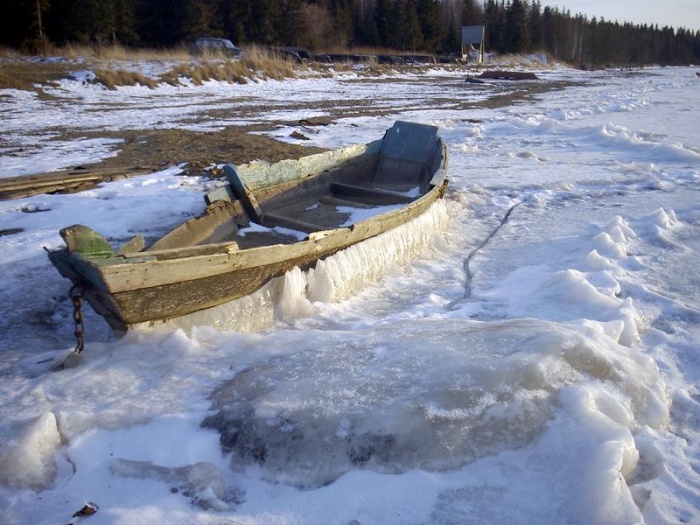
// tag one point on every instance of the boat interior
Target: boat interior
(356, 190)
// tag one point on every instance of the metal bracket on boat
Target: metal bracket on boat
(76, 295)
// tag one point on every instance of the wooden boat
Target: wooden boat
(509, 75)
(266, 220)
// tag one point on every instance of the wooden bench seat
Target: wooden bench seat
(368, 195)
(284, 221)
(337, 201)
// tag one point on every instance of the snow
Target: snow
(525, 352)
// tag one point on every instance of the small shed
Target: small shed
(473, 43)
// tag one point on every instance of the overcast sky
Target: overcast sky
(674, 13)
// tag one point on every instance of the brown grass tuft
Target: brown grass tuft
(116, 65)
(199, 72)
(256, 63)
(111, 78)
(23, 74)
(118, 53)
(267, 63)
(6, 52)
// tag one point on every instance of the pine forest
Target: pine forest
(425, 26)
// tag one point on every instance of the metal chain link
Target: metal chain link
(76, 295)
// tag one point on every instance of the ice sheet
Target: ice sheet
(525, 354)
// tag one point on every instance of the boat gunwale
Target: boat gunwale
(230, 261)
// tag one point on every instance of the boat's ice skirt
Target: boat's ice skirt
(335, 278)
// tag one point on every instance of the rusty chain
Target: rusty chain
(76, 295)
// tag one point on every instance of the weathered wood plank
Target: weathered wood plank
(62, 181)
(260, 174)
(124, 277)
(241, 190)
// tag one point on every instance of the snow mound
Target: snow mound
(432, 403)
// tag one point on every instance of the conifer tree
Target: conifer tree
(365, 24)
(535, 25)
(23, 23)
(341, 13)
(166, 23)
(262, 22)
(292, 29)
(411, 34)
(511, 26)
(517, 37)
(472, 14)
(428, 12)
(495, 20)
(383, 19)
(40, 7)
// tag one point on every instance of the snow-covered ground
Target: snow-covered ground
(526, 352)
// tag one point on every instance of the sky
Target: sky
(675, 13)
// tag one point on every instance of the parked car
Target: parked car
(215, 47)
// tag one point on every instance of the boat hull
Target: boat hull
(225, 277)
(200, 264)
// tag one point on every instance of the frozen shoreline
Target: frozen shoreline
(562, 389)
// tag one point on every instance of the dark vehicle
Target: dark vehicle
(215, 47)
(298, 54)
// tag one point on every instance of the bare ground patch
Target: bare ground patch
(154, 149)
(148, 150)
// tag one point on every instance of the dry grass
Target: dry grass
(118, 53)
(116, 66)
(23, 74)
(516, 61)
(368, 50)
(268, 64)
(6, 52)
(256, 63)
(111, 78)
(199, 72)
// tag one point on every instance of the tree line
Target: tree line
(432, 26)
